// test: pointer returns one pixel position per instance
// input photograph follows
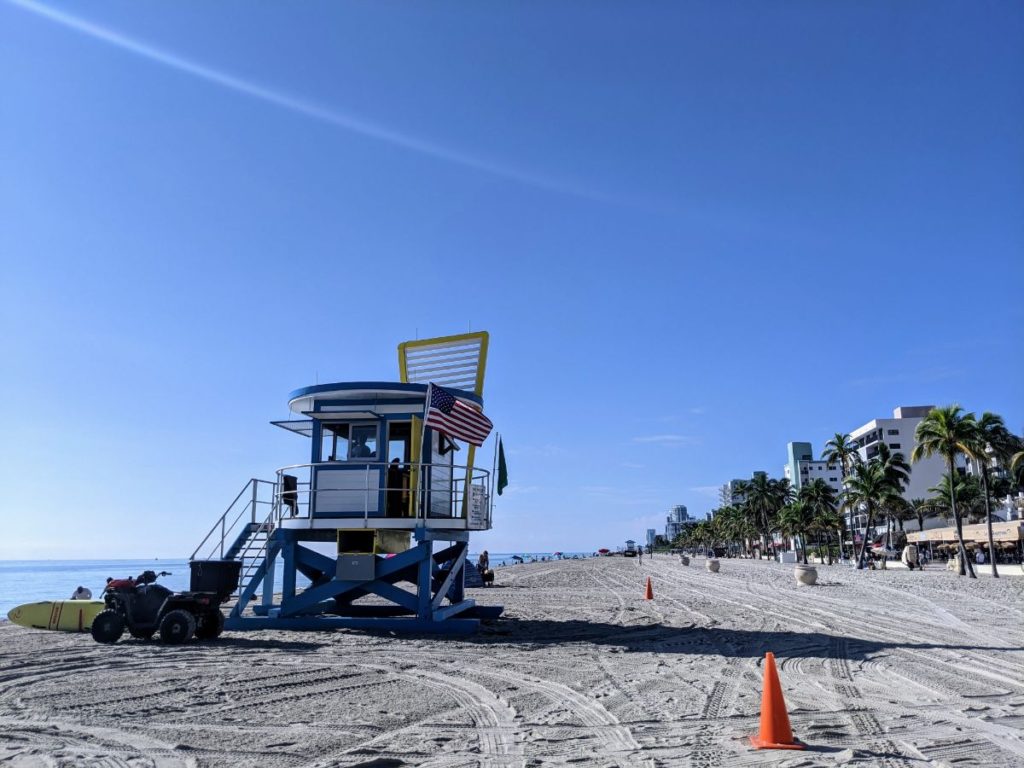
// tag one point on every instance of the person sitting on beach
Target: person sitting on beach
(82, 593)
(483, 565)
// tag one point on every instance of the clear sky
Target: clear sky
(695, 231)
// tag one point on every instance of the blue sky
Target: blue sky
(695, 231)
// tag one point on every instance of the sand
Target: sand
(878, 668)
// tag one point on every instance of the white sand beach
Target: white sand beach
(881, 668)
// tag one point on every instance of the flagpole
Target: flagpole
(425, 448)
(494, 464)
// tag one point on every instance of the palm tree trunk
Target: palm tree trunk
(988, 521)
(965, 564)
(864, 541)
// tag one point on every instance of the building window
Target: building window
(893, 432)
(363, 444)
(833, 479)
(894, 445)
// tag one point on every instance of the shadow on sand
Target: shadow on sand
(658, 638)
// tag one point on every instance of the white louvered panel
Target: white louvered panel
(450, 364)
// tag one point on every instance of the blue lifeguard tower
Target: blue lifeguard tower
(373, 531)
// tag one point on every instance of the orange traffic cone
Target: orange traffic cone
(775, 731)
(649, 592)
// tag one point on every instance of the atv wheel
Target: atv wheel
(210, 625)
(108, 626)
(177, 627)
(141, 634)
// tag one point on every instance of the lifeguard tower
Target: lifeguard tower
(384, 501)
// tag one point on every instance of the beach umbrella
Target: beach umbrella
(603, 551)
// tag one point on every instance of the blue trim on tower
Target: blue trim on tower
(384, 386)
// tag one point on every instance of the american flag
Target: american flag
(448, 414)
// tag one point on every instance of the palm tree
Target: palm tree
(994, 443)
(795, 520)
(828, 522)
(897, 473)
(821, 498)
(762, 503)
(867, 486)
(841, 450)
(921, 508)
(968, 493)
(949, 432)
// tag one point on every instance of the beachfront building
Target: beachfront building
(678, 520)
(734, 489)
(898, 433)
(802, 469)
(652, 537)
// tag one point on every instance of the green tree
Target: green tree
(764, 498)
(841, 450)
(795, 520)
(868, 487)
(949, 432)
(994, 444)
(921, 508)
(822, 500)
(897, 474)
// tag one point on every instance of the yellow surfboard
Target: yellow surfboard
(59, 615)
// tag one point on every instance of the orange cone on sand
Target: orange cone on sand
(649, 592)
(775, 731)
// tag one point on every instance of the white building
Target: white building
(898, 434)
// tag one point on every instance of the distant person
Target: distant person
(82, 594)
(640, 556)
(395, 489)
(484, 566)
(360, 450)
(979, 558)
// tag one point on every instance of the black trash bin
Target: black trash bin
(219, 576)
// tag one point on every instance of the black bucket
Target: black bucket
(219, 576)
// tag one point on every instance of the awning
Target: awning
(302, 427)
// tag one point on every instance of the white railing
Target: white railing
(475, 507)
(248, 506)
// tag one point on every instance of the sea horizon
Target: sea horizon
(32, 581)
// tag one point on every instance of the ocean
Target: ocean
(30, 581)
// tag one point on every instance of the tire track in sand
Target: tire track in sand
(499, 737)
(864, 722)
(615, 737)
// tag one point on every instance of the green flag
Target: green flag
(502, 468)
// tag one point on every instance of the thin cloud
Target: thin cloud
(930, 375)
(664, 439)
(348, 122)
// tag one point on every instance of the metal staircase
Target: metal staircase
(246, 527)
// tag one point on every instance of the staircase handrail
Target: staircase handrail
(267, 526)
(221, 521)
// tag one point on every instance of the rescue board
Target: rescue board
(58, 615)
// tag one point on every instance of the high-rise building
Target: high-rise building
(678, 519)
(652, 536)
(802, 469)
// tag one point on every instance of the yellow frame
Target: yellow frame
(484, 337)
